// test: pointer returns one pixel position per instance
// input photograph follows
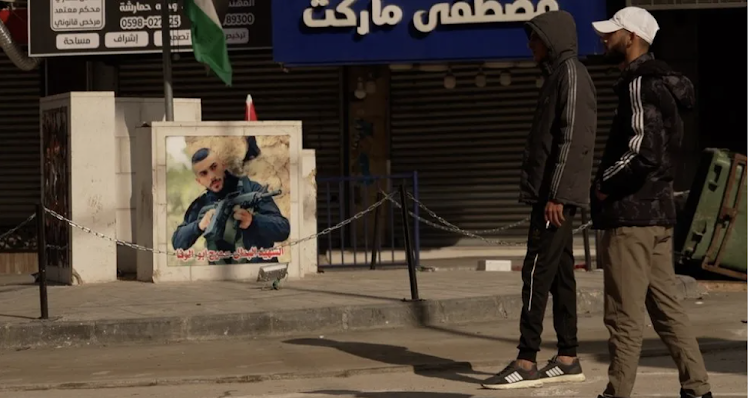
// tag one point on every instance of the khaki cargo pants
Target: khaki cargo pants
(638, 269)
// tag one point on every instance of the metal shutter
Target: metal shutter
(19, 144)
(467, 144)
(313, 95)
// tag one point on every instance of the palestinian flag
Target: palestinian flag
(209, 40)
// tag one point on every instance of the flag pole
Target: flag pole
(166, 43)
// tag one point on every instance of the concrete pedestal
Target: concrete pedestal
(78, 169)
(130, 114)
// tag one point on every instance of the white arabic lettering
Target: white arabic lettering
(127, 38)
(172, 6)
(381, 16)
(134, 8)
(76, 40)
(236, 36)
(76, 15)
(330, 20)
(458, 13)
(485, 11)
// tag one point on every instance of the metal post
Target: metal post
(166, 43)
(376, 233)
(42, 259)
(586, 240)
(417, 244)
(407, 244)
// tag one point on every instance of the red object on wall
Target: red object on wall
(17, 22)
(250, 114)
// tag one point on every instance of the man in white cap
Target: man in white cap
(632, 201)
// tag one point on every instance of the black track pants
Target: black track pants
(549, 268)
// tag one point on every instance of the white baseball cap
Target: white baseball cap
(633, 19)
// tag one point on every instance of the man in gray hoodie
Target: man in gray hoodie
(555, 180)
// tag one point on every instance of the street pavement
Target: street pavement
(656, 378)
(435, 362)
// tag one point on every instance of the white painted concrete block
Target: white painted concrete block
(494, 265)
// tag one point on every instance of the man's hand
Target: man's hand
(553, 213)
(243, 216)
(602, 197)
(206, 219)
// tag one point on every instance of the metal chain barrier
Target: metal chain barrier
(476, 232)
(503, 228)
(17, 227)
(457, 230)
(509, 226)
(447, 226)
(288, 244)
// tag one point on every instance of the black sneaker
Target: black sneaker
(683, 394)
(558, 372)
(512, 377)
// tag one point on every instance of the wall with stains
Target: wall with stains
(130, 114)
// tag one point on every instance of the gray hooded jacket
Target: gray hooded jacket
(559, 153)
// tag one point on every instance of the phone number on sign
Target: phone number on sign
(152, 22)
(239, 19)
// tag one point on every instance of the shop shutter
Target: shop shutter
(313, 95)
(467, 144)
(19, 143)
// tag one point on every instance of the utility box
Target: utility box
(712, 230)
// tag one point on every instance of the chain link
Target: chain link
(476, 232)
(472, 234)
(17, 227)
(90, 231)
(151, 250)
(447, 226)
(345, 222)
(457, 230)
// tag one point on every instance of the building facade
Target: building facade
(392, 92)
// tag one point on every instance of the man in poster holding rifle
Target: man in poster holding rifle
(235, 214)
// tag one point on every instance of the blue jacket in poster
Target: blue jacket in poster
(268, 225)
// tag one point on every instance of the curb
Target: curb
(54, 333)
(416, 368)
(286, 323)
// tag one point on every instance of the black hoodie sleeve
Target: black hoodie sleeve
(575, 134)
(646, 137)
(568, 99)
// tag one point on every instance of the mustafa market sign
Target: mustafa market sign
(309, 32)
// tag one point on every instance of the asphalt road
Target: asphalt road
(656, 378)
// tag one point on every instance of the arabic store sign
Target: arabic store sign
(90, 27)
(310, 32)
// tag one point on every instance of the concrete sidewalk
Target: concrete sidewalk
(461, 350)
(130, 312)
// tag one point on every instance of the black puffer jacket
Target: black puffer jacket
(557, 162)
(637, 167)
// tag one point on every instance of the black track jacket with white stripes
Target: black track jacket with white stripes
(637, 167)
(557, 162)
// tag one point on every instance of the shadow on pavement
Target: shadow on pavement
(598, 349)
(423, 364)
(390, 394)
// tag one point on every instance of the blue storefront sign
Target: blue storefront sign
(335, 32)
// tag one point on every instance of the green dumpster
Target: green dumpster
(712, 230)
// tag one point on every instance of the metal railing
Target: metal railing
(374, 240)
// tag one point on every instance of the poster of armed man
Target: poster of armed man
(228, 200)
